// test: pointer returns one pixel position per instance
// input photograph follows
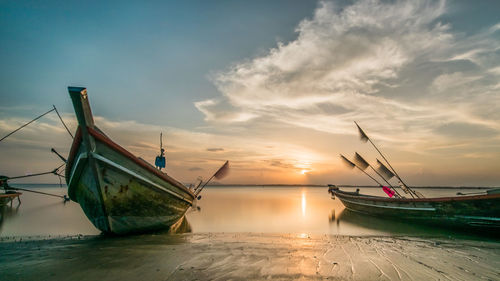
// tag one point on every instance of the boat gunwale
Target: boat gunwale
(341, 193)
(110, 143)
(106, 140)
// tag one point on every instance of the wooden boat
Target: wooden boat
(7, 197)
(119, 192)
(461, 211)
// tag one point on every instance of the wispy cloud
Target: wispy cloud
(356, 63)
(215, 149)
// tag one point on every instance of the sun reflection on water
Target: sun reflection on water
(304, 204)
(303, 235)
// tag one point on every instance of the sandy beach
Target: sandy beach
(247, 256)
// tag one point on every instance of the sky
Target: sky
(271, 86)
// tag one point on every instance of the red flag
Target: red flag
(389, 191)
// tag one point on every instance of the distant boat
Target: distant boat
(461, 211)
(7, 197)
(119, 192)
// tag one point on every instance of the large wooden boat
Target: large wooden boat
(119, 192)
(462, 211)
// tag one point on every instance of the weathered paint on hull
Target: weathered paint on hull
(119, 202)
(474, 212)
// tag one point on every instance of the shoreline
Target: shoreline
(249, 256)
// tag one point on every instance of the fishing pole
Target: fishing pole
(365, 138)
(221, 172)
(57, 153)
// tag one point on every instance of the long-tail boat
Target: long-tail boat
(463, 211)
(481, 210)
(119, 192)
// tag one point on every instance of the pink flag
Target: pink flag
(389, 191)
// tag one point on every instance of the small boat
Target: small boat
(119, 192)
(481, 211)
(9, 196)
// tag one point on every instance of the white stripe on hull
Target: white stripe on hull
(125, 170)
(390, 207)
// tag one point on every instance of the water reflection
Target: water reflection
(7, 212)
(350, 219)
(298, 210)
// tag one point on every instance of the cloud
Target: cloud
(366, 62)
(453, 80)
(195, 169)
(215, 149)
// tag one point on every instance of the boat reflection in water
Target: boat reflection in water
(7, 212)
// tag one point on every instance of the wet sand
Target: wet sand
(248, 256)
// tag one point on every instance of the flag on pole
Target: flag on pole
(384, 171)
(222, 172)
(362, 136)
(388, 191)
(360, 161)
(347, 162)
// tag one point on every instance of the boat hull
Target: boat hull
(125, 197)
(466, 211)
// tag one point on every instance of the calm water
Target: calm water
(300, 210)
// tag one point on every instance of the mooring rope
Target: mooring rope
(62, 121)
(39, 192)
(53, 109)
(4, 185)
(27, 124)
(54, 172)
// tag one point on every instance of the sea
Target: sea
(256, 209)
(241, 233)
